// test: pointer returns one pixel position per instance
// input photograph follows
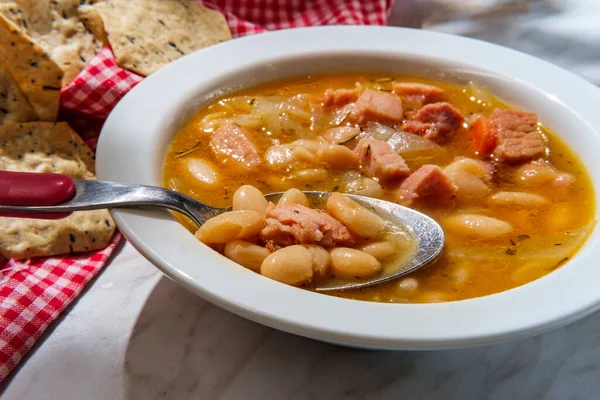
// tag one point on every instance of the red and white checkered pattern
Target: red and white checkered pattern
(33, 293)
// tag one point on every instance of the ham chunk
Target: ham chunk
(428, 183)
(372, 105)
(519, 140)
(339, 97)
(419, 93)
(231, 143)
(380, 160)
(435, 122)
(289, 224)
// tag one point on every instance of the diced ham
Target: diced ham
(289, 224)
(428, 183)
(230, 142)
(381, 161)
(419, 92)
(372, 105)
(341, 134)
(339, 97)
(435, 122)
(517, 135)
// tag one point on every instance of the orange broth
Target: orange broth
(544, 236)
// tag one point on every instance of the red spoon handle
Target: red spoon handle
(34, 189)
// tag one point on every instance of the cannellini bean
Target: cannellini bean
(509, 199)
(294, 196)
(202, 170)
(292, 265)
(477, 225)
(408, 284)
(535, 174)
(311, 175)
(560, 217)
(528, 272)
(433, 297)
(321, 259)
(279, 156)
(540, 173)
(460, 275)
(364, 187)
(359, 221)
(310, 145)
(247, 197)
(247, 254)
(468, 175)
(301, 153)
(336, 156)
(379, 250)
(231, 225)
(349, 263)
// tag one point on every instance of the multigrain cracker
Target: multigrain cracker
(13, 104)
(50, 147)
(90, 17)
(146, 35)
(38, 77)
(56, 27)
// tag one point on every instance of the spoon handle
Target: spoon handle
(33, 195)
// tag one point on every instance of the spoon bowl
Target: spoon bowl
(55, 196)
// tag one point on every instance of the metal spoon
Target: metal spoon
(52, 196)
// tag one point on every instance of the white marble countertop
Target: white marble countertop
(136, 335)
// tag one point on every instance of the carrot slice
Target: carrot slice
(485, 139)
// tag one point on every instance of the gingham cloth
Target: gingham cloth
(33, 293)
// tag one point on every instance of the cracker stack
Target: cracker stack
(43, 46)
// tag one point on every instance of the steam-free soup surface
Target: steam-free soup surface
(513, 199)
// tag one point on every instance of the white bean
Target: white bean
(468, 175)
(302, 154)
(247, 197)
(477, 225)
(359, 221)
(336, 156)
(231, 225)
(350, 263)
(202, 170)
(510, 199)
(311, 175)
(379, 250)
(310, 145)
(292, 265)
(247, 254)
(408, 284)
(364, 186)
(294, 196)
(321, 259)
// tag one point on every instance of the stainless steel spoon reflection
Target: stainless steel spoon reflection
(92, 195)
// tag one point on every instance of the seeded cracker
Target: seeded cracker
(93, 22)
(50, 147)
(146, 35)
(55, 26)
(38, 77)
(13, 104)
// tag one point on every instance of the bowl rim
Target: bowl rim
(131, 143)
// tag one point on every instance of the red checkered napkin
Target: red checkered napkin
(34, 292)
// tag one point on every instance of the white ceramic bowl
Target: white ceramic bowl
(135, 138)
